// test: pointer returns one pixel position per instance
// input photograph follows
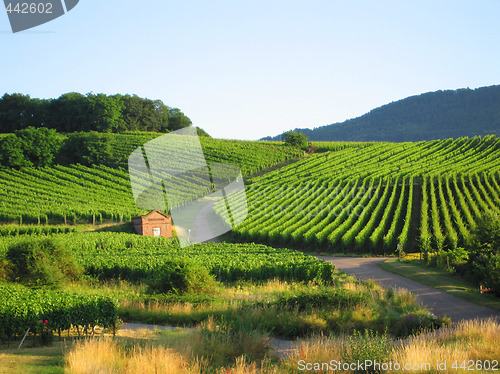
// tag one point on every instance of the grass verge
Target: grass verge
(440, 280)
(33, 360)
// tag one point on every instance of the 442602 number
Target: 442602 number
(29, 8)
(476, 365)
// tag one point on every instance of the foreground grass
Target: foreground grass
(32, 360)
(209, 349)
(471, 340)
(440, 280)
(199, 353)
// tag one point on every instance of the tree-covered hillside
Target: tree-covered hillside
(432, 115)
(92, 112)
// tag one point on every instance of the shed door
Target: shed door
(156, 232)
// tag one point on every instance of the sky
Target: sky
(244, 69)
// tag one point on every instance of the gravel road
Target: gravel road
(439, 302)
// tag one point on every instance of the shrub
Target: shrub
(41, 262)
(295, 139)
(484, 256)
(454, 258)
(181, 277)
(417, 322)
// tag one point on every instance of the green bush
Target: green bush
(181, 277)
(484, 252)
(417, 322)
(450, 260)
(295, 139)
(40, 262)
(45, 311)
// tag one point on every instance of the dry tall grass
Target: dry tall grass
(208, 349)
(469, 340)
(105, 356)
(95, 356)
(194, 353)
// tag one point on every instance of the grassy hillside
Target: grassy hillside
(432, 115)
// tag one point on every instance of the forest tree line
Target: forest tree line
(73, 112)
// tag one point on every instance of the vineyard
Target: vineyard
(80, 194)
(358, 196)
(133, 257)
(250, 156)
(23, 308)
(62, 194)
(426, 194)
(137, 259)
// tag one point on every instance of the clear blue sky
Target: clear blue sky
(247, 69)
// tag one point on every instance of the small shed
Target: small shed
(154, 223)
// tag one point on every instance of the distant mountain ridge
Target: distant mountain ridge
(431, 115)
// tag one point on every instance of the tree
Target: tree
(11, 152)
(144, 114)
(73, 112)
(484, 255)
(295, 139)
(39, 145)
(88, 148)
(18, 111)
(68, 113)
(105, 113)
(177, 120)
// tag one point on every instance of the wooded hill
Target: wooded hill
(432, 115)
(91, 112)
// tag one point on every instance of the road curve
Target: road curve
(439, 302)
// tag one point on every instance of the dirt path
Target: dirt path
(439, 302)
